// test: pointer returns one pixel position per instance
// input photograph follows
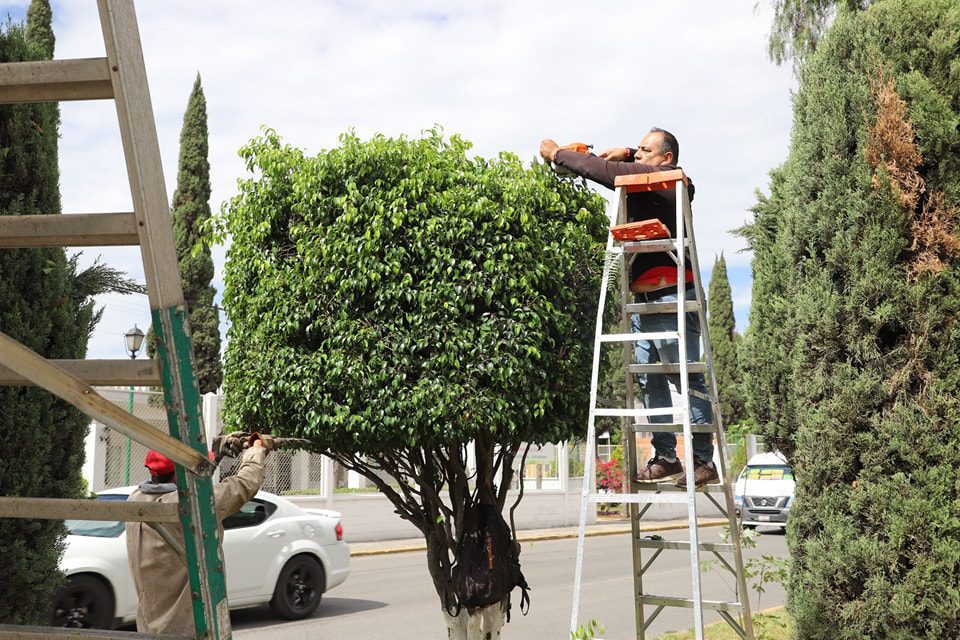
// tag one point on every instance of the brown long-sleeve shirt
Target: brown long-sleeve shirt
(605, 172)
(648, 268)
(159, 574)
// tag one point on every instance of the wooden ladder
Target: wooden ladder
(121, 76)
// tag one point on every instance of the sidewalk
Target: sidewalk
(600, 528)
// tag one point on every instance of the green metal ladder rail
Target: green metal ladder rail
(121, 76)
(640, 497)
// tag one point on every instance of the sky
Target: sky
(501, 73)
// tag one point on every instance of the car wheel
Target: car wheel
(299, 588)
(751, 527)
(84, 603)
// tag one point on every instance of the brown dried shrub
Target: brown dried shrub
(891, 146)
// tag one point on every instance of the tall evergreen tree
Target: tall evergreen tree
(854, 334)
(40, 28)
(723, 338)
(45, 304)
(191, 209)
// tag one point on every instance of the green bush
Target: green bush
(393, 299)
(852, 355)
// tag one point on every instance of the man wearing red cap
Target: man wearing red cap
(159, 571)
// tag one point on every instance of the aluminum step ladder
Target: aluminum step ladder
(121, 76)
(640, 497)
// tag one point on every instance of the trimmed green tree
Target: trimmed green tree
(396, 299)
(722, 326)
(852, 358)
(45, 304)
(190, 212)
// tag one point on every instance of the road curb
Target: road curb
(534, 537)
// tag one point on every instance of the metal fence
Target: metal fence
(118, 460)
(115, 460)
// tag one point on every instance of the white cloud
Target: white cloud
(503, 74)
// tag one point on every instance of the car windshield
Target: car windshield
(97, 528)
(769, 472)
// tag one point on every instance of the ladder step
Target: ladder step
(720, 547)
(687, 603)
(672, 488)
(635, 413)
(663, 427)
(638, 335)
(102, 510)
(667, 367)
(651, 308)
(70, 230)
(645, 497)
(701, 396)
(650, 246)
(18, 632)
(98, 373)
(55, 80)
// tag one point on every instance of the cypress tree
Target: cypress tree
(854, 336)
(40, 28)
(723, 338)
(44, 304)
(191, 210)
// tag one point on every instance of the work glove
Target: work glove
(228, 445)
(266, 441)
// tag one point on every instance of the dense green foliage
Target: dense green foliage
(44, 304)
(852, 354)
(398, 293)
(722, 326)
(191, 210)
(394, 299)
(40, 28)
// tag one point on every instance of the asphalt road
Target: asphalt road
(391, 596)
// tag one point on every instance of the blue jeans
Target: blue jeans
(657, 392)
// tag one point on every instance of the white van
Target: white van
(764, 491)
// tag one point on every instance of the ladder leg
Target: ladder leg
(742, 595)
(138, 133)
(589, 473)
(688, 463)
(629, 444)
(197, 510)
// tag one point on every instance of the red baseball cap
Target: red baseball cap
(158, 464)
(161, 465)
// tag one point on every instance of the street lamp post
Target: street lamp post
(134, 340)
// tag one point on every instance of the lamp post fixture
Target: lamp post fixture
(134, 340)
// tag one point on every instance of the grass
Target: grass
(773, 624)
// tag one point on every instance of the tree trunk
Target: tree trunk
(481, 624)
(493, 620)
(462, 626)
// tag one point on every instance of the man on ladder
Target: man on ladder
(653, 278)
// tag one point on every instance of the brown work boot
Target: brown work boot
(704, 473)
(659, 470)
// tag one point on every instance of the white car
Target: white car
(275, 552)
(764, 491)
